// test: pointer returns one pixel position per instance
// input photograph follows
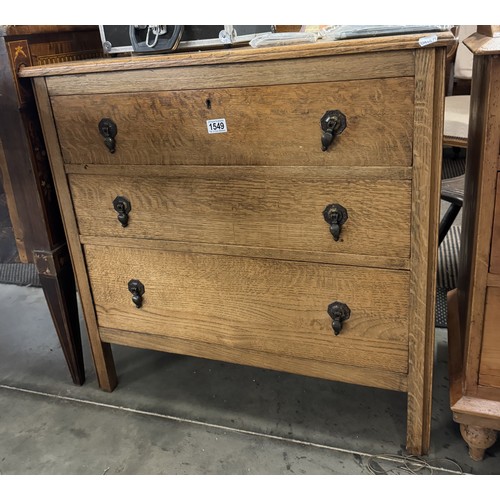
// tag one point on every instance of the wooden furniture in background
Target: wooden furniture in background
(474, 307)
(25, 170)
(235, 245)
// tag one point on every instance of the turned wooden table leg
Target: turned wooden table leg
(58, 283)
(478, 439)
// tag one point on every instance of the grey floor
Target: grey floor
(174, 414)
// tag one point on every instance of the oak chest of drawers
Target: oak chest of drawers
(273, 207)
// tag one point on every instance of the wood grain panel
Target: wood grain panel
(301, 366)
(222, 172)
(489, 369)
(493, 280)
(324, 69)
(258, 305)
(427, 154)
(276, 125)
(249, 209)
(343, 259)
(495, 235)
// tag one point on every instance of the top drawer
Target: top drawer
(267, 125)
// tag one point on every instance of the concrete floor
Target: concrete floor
(174, 414)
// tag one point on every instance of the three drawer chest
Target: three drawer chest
(275, 207)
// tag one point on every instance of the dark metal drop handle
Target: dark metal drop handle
(108, 129)
(136, 288)
(339, 312)
(333, 123)
(326, 139)
(123, 207)
(335, 215)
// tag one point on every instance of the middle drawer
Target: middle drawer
(299, 213)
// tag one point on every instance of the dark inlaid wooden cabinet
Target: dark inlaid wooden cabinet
(274, 207)
(26, 175)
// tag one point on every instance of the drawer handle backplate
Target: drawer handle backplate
(123, 207)
(333, 123)
(108, 129)
(335, 215)
(136, 288)
(339, 312)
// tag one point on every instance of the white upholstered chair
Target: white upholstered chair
(456, 128)
(456, 107)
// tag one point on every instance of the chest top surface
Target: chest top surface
(244, 54)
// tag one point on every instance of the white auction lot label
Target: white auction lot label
(217, 126)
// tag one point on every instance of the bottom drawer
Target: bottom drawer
(254, 306)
